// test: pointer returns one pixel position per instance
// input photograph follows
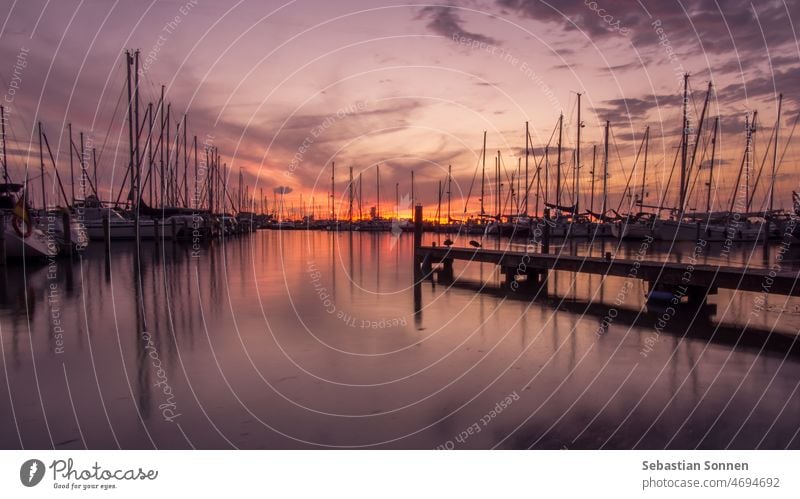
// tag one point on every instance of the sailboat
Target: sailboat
(677, 227)
(22, 238)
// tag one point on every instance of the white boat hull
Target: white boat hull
(36, 245)
(148, 229)
(635, 231)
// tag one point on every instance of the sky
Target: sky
(284, 89)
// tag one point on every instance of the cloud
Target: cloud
(703, 26)
(282, 189)
(445, 21)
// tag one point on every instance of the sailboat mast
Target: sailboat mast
(41, 165)
(137, 157)
(578, 159)
(527, 152)
(333, 191)
(546, 174)
(71, 164)
(538, 189)
(483, 173)
(497, 186)
(128, 62)
(449, 189)
(378, 182)
(82, 160)
(5, 155)
(591, 196)
(558, 161)
(186, 164)
(605, 172)
(518, 204)
(350, 198)
(644, 170)
(150, 155)
(748, 151)
(94, 170)
(413, 192)
(711, 166)
(774, 156)
(196, 194)
(684, 143)
(439, 204)
(161, 149)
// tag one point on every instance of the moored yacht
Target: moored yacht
(21, 237)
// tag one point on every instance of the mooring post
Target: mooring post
(417, 241)
(106, 229)
(3, 240)
(65, 222)
(446, 273)
(546, 232)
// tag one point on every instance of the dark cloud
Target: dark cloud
(764, 87)
(445, 21)
(714, 26)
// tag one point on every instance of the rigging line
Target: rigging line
(735, 191)
(665, 191)
(549, 144)
(621, 167)
(789, 140)
(764, 160)
(703, 151)
(472, 184)
(633, 169)
(535, 165)
(110, 123)
(694, 101)
(538, 164)
(691, 168)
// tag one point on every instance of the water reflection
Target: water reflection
(308, 339)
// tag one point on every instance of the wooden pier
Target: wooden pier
(532, 268)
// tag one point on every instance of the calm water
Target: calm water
(310, 339)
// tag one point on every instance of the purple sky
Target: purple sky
(411, 86)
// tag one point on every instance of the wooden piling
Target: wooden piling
(3, 240)
(65, 222)
(417, 242)
(106, 229)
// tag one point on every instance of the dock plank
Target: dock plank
(666, 273)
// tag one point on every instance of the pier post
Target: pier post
(417, 242)
(3, 240)
(65, 223)
(446, 272)
(106, 229)
(510, 275)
